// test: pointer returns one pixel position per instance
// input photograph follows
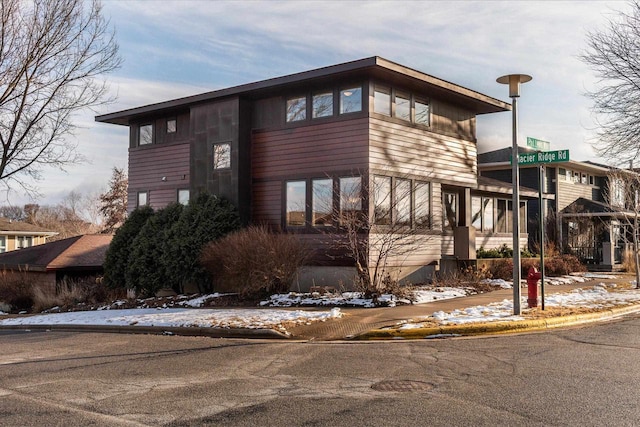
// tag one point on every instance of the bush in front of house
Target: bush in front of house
(206, 218)
(503, 251)
(15, 291)
(117, 256)
(146, 270)
(254, 262)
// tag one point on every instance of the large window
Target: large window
(403, 107)
(350, 195)
(403, 202)
(322, 105)
(296, 109)
(222, 156)
(351, 100)
(382, 200)
(382, 102)
(482, 213)
(296, 203)
(145, 134)
(322, 202)
(422, 203)
(421, 112)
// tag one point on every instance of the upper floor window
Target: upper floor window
(421, 112)
(351, 100)
(296, 203)
(296, 109)
(382, 102)
(24, 242)
(145, 134)
(322, 105)
(222, 156)
(172, 125)
(403, 107)
(183, 196)
(3, 244)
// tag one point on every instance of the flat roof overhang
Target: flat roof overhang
(375, 67)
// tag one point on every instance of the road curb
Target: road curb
(156, 330)
(481, 328)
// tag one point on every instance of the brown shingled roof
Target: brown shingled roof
(79, 252)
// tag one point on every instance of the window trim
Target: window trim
(409, 98)
(344, 89)
(331, 111)
(175, 126)
(389, 107)
(138, 194)
(303, 110)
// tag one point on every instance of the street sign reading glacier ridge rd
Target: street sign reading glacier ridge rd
(543, 157)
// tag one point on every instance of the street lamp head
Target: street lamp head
(514, 80)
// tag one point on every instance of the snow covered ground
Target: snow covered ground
(279, 319)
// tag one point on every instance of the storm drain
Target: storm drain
(402, 386)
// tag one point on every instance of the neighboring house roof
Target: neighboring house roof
(374, 66)
(586, 207)
(8, 226)
(75, 253)
(496, 186)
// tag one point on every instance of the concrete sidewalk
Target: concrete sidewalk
(358, 322)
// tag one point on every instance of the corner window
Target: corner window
(221, 156)
(172, 126)
(3, 244)
(382, 200)
(350, 196)
(403, 108)
(296, 203)
(296, 109)
(350, 100)
(422, 204)
(322, 202)
(403, 202)
(322, 105)
(145, 134)
(381, 102)
(143, 198)
(183, 196)
(421, 113)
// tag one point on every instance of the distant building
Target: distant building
(19, 235)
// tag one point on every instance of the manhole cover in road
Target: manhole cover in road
(401, 385)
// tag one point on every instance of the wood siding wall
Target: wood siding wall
(568, 192)
(410, 151)
(147, 166)
(452, 120)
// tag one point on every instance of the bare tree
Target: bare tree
(614, 56)
(14, 213)
(52, 53)
(113, 203)
(623, 192)
(378, 238)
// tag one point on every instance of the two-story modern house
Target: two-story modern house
(370, 136)
(582, 218)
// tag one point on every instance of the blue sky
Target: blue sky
(179, 48)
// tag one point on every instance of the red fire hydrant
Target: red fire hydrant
(532, 286)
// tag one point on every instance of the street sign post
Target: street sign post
(538, 144)
(543, 157)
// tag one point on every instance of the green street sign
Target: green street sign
(538, 144)
(543, 157)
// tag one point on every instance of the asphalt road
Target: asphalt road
(585, 376)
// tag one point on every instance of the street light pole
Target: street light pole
(514, 81)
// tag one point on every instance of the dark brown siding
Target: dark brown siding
(451, 120)
(149, 164)
(310, 150)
